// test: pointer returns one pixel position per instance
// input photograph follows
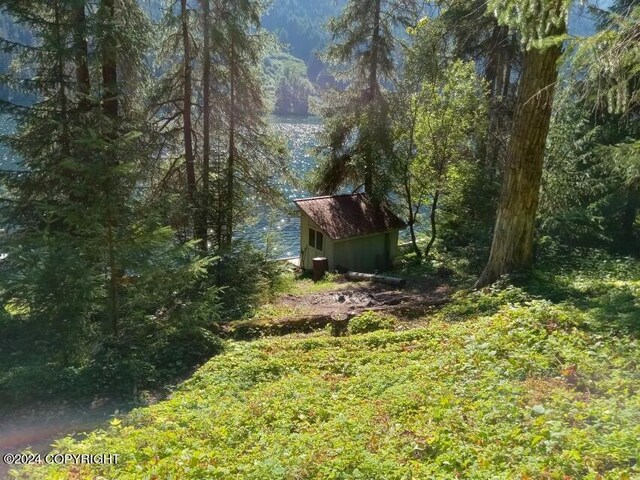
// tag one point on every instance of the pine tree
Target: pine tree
(249, 159)
(358, 144)
(202, 222)
(605, 81)
(70, 212)
(222, 84)
(474, 35)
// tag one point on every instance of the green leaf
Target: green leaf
(538, 409)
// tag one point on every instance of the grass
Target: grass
(537, 380)
(304, 285)
(272, 311)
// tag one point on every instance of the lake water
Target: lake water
(281, 229)
(276, 231)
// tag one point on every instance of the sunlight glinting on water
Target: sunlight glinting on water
(277, 232)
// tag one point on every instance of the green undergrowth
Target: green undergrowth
(370, 321)
(303, 284)
(536, 381)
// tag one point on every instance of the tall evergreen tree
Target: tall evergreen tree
(69, 213)
(541, 25)
(358, 144)
(595, 142)
(228, 140)
(249, 159)
(202, 222)
(475, 34)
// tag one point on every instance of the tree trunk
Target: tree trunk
(114, 276)
(202, 226)
(512, 246)
(372, 94)
(434, 206)
(109, 65)
(81, 54)
(220, 189)
(630, 213)
(232, 146)
(110, 109)
(407, 186)
(497, 74)
(63, 104)
(186, 102)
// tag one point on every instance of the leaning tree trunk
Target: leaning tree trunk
(412, 219)
(512, 246)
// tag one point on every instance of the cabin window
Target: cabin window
(315, 239)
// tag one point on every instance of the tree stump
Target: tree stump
(340, 325)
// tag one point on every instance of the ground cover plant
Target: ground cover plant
(532, 381)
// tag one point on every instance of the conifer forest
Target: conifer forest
(320, 239)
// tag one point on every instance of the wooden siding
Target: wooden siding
(367, 253)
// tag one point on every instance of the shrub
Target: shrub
(485, 302)
(248, 278)
(370, 322)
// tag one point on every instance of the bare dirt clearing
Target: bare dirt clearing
(306, 312)
(367, 296)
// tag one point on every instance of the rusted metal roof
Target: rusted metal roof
(344, 216)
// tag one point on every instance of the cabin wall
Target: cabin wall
(369, 253)
(393, 239)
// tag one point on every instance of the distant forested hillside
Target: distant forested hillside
(300, 27)
(300, 24)
(15, 32)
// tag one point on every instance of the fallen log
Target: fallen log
(372, 277)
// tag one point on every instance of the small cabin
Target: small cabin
(351, 231)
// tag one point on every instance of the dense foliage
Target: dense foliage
(299, 25)
(535, 381)
(137, 147)
(357, 145)
(291, 88)
(107, 262)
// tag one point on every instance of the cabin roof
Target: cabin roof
(344, 216)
